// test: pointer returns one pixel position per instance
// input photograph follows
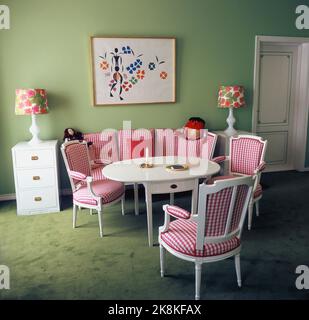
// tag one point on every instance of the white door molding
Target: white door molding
(301, 93)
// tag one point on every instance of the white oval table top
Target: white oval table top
(130, 171)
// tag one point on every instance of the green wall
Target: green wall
(48, 46)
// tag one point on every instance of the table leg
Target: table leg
(149, 215)
(172, 199)
(194, 197)
(136, 200)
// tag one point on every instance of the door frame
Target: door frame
(301, 107)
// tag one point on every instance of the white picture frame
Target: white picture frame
(133, 70)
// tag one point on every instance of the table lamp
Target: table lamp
(31, 102)
(231, 97)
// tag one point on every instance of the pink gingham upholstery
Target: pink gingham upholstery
(165, 142)
(104, 147)
(97, 173)
(207, 153)
(219, 159)
(77, 157)
(77, 175)
(261, 167)
(217, 211)
(258, 191)
(241, 195)
(108, 190)
(212, 180)
(178, 212)
(245, 155)
(146, 138)
(181, 236)
(203, 147)
(193, 148)
(217, 225)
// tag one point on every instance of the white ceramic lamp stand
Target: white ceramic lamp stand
(231, 97)
(35, 130)
(230, 131)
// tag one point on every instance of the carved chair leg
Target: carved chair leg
(198, 276)
(237, 267)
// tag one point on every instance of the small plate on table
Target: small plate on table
(177, 167)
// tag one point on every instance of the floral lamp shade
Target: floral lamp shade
(31, 102)
(231, 97)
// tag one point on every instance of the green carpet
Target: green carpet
(50, 260)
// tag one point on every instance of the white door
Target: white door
(276, 100)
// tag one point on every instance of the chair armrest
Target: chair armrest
(174, 211)
(220, 159)
(177, 212)
(77, 175)
(260, 167)
(102, 161)
(89, 186)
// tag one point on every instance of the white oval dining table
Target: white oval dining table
(159, 179)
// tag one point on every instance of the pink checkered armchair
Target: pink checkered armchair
(247, 155)
(214, 233)
(88, 191)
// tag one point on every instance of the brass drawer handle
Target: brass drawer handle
(37, 199)
(34, 158)
(36, 177)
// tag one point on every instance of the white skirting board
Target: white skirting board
(12, 196)
(63, 192)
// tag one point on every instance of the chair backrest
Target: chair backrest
(222, 209)
(76, 158)
(212, 141)
(203, 147)
(246, 153)
(105, 145)
(165, 142)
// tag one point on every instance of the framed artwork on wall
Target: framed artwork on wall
(133, 70)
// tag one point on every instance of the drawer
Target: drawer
(37, 199)
(171, 186)
(34, 158)
(36, 178)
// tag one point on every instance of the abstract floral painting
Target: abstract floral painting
(133, 70)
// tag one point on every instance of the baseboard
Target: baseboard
(12, 196)
(304, 169)
(7, 197)
(63, 192)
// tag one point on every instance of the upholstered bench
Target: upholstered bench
(116, 145)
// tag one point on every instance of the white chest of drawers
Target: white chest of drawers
(36, 177)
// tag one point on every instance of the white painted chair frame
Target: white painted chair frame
(200, 218)
(100, 206)
(257, 172)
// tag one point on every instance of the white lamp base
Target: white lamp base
(35, 130)
(230, 131)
